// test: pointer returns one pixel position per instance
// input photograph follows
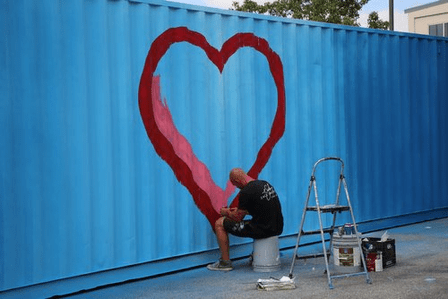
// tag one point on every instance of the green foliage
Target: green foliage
(344, 12)
(374, 22)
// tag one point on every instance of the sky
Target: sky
(380, 6)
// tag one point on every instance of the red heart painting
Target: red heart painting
(174, 148)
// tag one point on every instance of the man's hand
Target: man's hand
(233, 213)
(224, 211)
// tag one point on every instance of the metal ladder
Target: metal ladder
(334, 209)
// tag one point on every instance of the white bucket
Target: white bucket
(266, 256)
(346, 254)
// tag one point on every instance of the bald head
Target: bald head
(239, 178)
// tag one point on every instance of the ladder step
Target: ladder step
(329, 208)
(316, 232)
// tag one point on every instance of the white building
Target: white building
(431, 18)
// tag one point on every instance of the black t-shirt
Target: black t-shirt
(261, 201)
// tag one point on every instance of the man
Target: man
(256, 198)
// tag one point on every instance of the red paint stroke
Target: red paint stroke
(185, 152)
(171, 146)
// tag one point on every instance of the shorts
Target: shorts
(245, 229)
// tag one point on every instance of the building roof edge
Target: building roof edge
(412, 9)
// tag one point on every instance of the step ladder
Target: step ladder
(335, 209)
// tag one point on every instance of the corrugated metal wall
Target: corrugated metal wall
(82, 188)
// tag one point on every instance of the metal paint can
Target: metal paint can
(349, 229)
(346, 251)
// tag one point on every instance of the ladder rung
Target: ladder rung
(348, 275)
(315, 232)
(315, 255)
(329, 208)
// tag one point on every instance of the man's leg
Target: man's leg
(223, 239)
(224, 263)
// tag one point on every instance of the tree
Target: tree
(344, 12)
(374, 22)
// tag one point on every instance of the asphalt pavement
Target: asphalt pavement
(421, 271)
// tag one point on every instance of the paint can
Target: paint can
(346, 253)
(374, 261)
(349, 229)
